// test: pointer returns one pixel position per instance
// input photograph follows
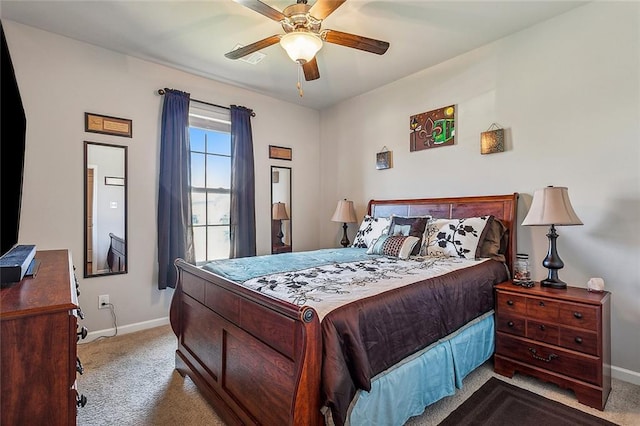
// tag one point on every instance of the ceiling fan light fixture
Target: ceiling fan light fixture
(301, 46)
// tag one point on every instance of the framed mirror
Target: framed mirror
(281, 241)
(105, 209)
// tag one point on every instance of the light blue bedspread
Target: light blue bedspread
(245, 268)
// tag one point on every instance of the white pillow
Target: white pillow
(371, 229)
(454, 237)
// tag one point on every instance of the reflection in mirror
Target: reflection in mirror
(280, 209)
(105, 201)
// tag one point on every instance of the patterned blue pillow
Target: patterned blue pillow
(412, 225)
(394, 246)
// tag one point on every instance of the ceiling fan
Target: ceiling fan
(303, 36)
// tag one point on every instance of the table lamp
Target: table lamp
(551, 207)
(279, 213)
(346, 214)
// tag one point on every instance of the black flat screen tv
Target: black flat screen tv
(13, 125)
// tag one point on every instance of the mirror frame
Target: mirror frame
(290, 227)
(125, 209)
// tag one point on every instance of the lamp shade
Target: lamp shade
(279, 211)
(301, 46)
(344, 212)
(551, 206)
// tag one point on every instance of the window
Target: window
(210, 145)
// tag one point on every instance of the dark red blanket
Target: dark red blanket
(364, 338)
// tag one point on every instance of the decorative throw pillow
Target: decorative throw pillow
(371, 229)
(456, 237)
(493, 243)
(409, 226)
(394, 246)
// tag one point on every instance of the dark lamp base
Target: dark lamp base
(345, 240)
(553, 284)
(553, 263)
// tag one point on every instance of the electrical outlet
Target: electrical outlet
(103, 301)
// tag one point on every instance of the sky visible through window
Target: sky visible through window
(210, 192)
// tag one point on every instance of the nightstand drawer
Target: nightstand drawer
(544, 309)
(512, 304)
(576, 315)
(542, 332)
(510, 324)
(579, 340)
(582, 367)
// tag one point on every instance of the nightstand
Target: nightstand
(559, 336)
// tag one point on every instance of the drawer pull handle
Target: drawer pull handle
(510, 323)
(541, 303)
(82, 334)
(578, 315)
(542, 327)
(510, 302)
(535, 355)
(578, 340)
(81, 400)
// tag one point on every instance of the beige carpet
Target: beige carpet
(130, 380)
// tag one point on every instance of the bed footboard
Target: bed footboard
(255, 359)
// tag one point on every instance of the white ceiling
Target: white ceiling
(195, 35)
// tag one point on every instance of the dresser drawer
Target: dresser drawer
(510, 324)
(573, 364)
(511, 304)
(579, 340)
(543, 309)
(578, 315)
(543, 332)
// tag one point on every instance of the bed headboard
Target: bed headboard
(503, 207)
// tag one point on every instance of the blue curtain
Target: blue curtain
(243, 194)
(175, 235)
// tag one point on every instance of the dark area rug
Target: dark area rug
(498, 403)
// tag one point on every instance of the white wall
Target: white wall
(567, 92)
(60, 79)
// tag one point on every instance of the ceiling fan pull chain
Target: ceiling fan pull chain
(299, 85)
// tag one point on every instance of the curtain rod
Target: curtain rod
(162, 91)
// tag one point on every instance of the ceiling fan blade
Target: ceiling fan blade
(311, 71)
(253, 47)
(323, 8)
(357, 42)
(263, 9)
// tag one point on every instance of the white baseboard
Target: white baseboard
(625, 375)
(126, 329)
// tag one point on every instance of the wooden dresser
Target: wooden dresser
(38, 347)
(560, 336)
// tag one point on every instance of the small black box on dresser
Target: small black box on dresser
(15, 263)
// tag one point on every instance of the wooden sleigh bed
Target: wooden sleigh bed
(257, 359)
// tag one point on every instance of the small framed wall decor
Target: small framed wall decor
(114, 181)
(104, 124)
(280, 152)
(492, 140)
(432, 129)
(384, 159)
